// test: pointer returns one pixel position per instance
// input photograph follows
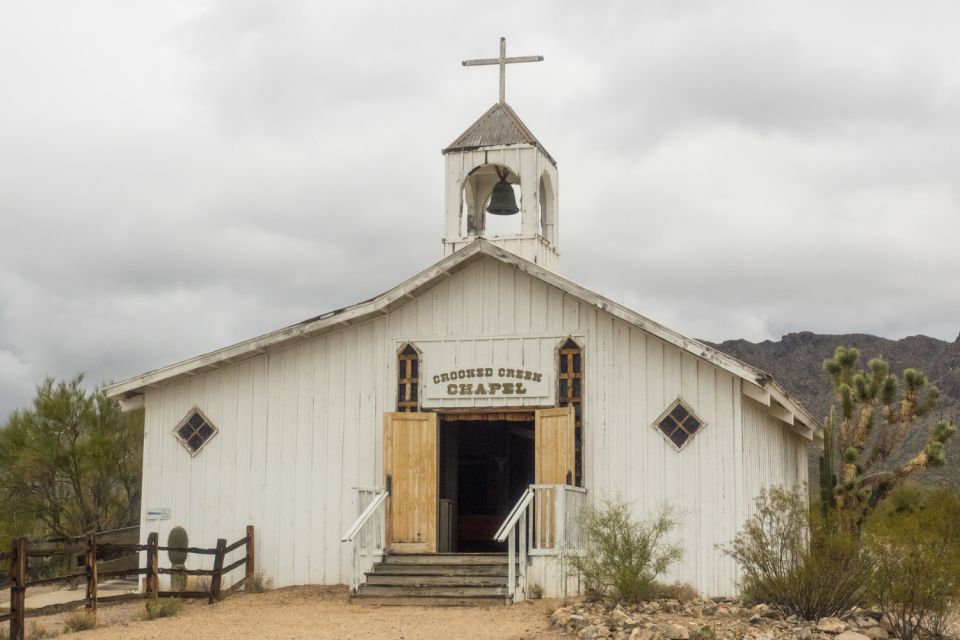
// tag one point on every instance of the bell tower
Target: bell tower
(497, 167)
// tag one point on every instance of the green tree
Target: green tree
(873, 413)
(69, 464)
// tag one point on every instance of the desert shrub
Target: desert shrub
(80, 621)
(679, 591)
(258, 583)
(162, 607)
(37, 632)
(623, 557)
(796, 561)
(917, 555)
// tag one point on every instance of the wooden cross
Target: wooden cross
(503, 61)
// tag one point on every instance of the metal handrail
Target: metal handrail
(363, 517)
(514, 516)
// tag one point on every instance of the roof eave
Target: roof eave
(408, 290)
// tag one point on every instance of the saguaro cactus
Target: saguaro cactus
(178, 542)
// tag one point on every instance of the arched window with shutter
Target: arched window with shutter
(570, 392)
(408, 378)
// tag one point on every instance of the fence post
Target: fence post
(18, 571)
(217, 571)
(153, 577)
(90, 560)
(250, 566)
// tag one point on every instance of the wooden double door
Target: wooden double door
(411, 470)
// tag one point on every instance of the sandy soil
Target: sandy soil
(320, 612)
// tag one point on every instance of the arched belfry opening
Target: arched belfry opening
(486, 210)
(501, 183)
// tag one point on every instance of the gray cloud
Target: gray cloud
(178, 176)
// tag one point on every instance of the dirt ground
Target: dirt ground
(317, 612)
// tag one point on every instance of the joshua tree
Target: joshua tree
(873, 413)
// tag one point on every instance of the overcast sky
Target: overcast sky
(179, 176)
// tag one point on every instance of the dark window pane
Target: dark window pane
(667, 425)
(185, 431)
(196, 421)
(414, 368)
(195, 442)
(401, 392)
(564, 360)
(413, 391)
(576, 387)
(577, 412)
(206, 431)
(563, 390)
(679, 437)
(679, 413)
(691, 425)
(409, 351)
(570, 344)
(576, 363)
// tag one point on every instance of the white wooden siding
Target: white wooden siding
(300, 427)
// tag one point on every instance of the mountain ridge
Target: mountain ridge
(795, 362)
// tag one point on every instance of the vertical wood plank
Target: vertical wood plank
(217, 578)
(251, 549)
(153, 574)
(91, 568)
(18, 592)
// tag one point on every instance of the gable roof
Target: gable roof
(755, 383)
(499, 126)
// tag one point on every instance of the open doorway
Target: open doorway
(486, 462)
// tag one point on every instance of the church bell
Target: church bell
(502, 200)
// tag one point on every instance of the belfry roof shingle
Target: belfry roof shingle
(498, 126)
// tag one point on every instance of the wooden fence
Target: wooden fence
(90, 572)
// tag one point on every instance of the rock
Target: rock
(852, 635)
(619, 618)
(877, 633)
(886, 625)
(675, 632)
(832, 625)
(865, 623)
(578, 622)
(594, 631)
(709, 609)
(755, 618)
(645, 634)
(561, 617)
(802, 633)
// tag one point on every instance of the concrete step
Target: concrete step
(441, 569)
(447, 591)
(432, 601)
(446, 558)
(406, 579)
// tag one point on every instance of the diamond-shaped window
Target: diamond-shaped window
(194, 431)
(678, 423)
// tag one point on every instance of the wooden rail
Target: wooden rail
(22, 551)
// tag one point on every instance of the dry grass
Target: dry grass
(257, 583)
(79, 621)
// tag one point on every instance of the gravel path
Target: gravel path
(324, 612)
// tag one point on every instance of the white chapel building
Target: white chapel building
(438, 442)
